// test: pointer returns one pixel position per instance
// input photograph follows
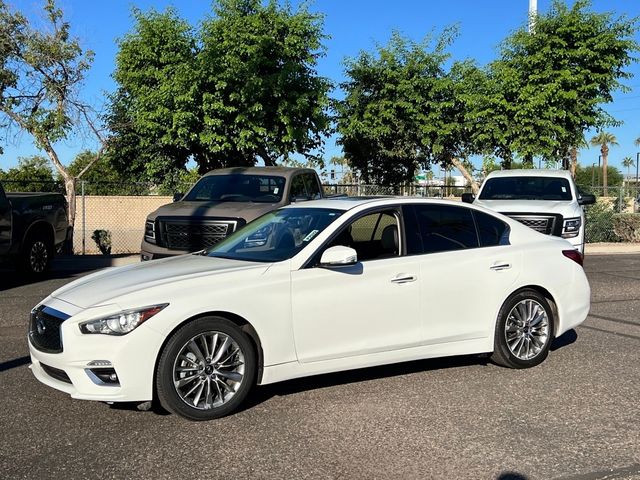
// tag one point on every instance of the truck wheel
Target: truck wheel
(36, 255)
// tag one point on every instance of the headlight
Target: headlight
(150, 231)
(121, 323)
(571, 227)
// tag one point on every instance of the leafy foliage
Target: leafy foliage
(403, 109)
(42, 70)
(591, 176)
(33, 174)
(242, 87)
(552, 84)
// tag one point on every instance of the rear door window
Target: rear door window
(439, 228)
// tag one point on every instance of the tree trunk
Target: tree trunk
(465, 173)
(69, 181)
(605, 153)
(573, 154)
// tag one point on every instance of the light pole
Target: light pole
(637, 162)
(599, 159)
(533, 11)
(593, 174)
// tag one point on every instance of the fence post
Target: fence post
(84, 219)
(620, 209)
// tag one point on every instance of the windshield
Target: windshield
(526, 188)
(276, 236)
(237, 188)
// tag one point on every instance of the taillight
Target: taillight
(574, 255)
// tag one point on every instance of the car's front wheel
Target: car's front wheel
(524, 330)
(206, 369)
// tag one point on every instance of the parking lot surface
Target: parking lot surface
(576, 416)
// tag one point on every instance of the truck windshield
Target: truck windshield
(276, 236)
(526, 188)
(237, 188)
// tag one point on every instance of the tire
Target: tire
(203, 382)
(37, 252)
(524, 330)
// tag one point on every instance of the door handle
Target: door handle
(404, 279)
(500, 266)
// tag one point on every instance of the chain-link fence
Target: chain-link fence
(613, 216)
(110, 217)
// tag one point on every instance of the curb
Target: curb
(611, 248)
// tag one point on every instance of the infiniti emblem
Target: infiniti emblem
(40, 326)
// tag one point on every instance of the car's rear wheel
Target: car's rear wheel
(524, 330)
(206, 369)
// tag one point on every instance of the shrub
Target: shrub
(103, 240)
(599, 223)
(627, 226)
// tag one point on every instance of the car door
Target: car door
(5, 222)
(467, 269)
(372, 306)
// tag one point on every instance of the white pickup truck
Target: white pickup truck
(546, 200)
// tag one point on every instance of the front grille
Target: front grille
(44, 329)
(192, 236)
(56, 373)
(541, 223)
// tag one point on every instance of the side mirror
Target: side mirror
(468, 197)
(177, 197)
(338, 256)
(586, 199)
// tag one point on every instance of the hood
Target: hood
(245, 210)
(108, 284)
(528, 206)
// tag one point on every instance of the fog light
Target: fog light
(103, 376)
(99, 363)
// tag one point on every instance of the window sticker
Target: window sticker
(275, 190)
(564, 189)
(311, 234)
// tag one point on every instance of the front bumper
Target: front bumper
(150, 251)
(132, 356)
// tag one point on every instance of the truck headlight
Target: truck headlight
(150, 231)
(571, 227)
(121, 323)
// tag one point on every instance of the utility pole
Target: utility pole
(533, 12)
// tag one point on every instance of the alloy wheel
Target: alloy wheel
(208, 370)
(527, 329)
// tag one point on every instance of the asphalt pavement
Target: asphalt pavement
(576, 416)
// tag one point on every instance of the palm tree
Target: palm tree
(603, 140)
(627, 162)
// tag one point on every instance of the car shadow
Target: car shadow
(11, 279)
(567, 338)
(289, 387)
(263, 393)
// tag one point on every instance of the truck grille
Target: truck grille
(541, 223)
(44, 329)
(193, 236)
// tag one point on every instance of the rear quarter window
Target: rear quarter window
(491, 230)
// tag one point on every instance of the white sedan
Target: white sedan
(311, 288)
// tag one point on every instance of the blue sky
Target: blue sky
(352, 25)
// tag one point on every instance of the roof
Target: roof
(530, 172)
(282, 171)
(347, 203)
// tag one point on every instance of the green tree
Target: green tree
(33, 174)
(262, 96)
(603, 140)
(241, 88)
(42, 69)
(404, 110)
(550, 86)
(591, 176)
(154, 113)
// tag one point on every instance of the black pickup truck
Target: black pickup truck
(32, 226)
